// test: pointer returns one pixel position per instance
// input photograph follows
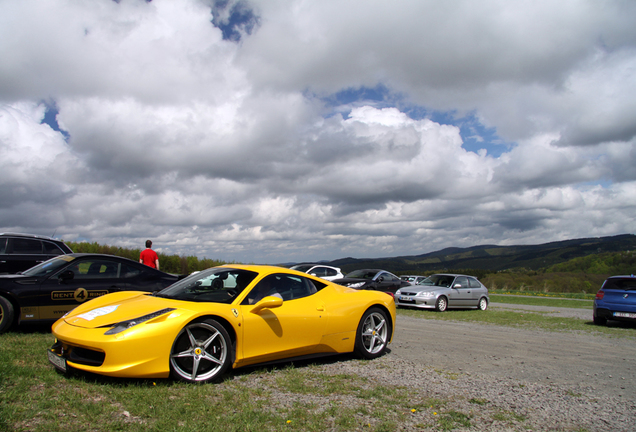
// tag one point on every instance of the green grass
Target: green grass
(542, 294)
(34, 397)
(542, 301)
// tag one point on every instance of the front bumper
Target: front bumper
(415, 301)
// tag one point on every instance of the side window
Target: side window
(329, 272)
(128, 271)
(474, 283)
(26, 246)
(287, 287)
(463, 281)
(3, 245)
(52, 248)
(390, 278)
(319, 271)
(96, 269)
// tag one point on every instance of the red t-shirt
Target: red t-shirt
(149, 257)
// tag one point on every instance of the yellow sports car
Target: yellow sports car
(227, 316)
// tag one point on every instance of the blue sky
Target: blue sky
(267, 131)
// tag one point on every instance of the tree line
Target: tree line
(167, 263)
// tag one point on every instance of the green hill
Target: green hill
(495, 258)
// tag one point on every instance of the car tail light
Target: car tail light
(600, 294)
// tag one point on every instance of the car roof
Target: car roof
(32, 236)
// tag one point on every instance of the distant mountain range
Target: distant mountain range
(492, 257)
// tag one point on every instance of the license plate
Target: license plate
(625, 314)
(57, 361)
(405, 298)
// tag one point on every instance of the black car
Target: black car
(50, 289)
(20, 252)
(372, 279)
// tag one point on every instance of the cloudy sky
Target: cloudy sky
(276, 131)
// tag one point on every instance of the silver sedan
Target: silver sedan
(443, 291)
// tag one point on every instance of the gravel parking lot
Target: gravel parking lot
(556, 380)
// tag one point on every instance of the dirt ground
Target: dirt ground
(606, 364)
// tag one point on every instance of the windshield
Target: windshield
(437, 280)
(362, 274)
(216, 285)
(50, 266)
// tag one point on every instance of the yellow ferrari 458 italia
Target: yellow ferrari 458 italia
(227, 316)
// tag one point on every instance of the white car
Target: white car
(322, 271)
(412, 279)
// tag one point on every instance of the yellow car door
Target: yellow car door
(283, 316)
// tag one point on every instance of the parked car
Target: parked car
(443, 291)
(220, 318)
(372, 279)
(616, 300)
(19, 252)
(412, 279)
(51, 289)
(320, 270)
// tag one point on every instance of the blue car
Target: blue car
(616, 300)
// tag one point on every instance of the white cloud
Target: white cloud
(228, 150)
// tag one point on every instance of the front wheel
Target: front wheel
(441, 304)
(6, 314)
(372, 335)
(483, 303)
(201, 352)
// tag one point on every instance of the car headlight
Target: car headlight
(397, 293)
(425, 294)
(356, 285)
(125, 325)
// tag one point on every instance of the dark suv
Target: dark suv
(19, 252)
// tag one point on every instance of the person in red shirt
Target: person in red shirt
(149, 257)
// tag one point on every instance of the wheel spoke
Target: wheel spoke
(207, 343)
(211, 358)
(187, 353)
(193, 341)
(195, 366)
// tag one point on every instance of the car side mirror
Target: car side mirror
(457, 286)
(381, 279)
(66, 276)
(269, 302)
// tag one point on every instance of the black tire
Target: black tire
(483, 304)
(201, 352)
(441, 304)
(6, 314)
(600, 321)
(373, 333)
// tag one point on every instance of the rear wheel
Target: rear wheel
(483, 303)
(600, 321)
(6, 314)
(441, 304)
(201, 352)
(372, 335)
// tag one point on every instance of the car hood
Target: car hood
(113, 308)
(419, 288)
